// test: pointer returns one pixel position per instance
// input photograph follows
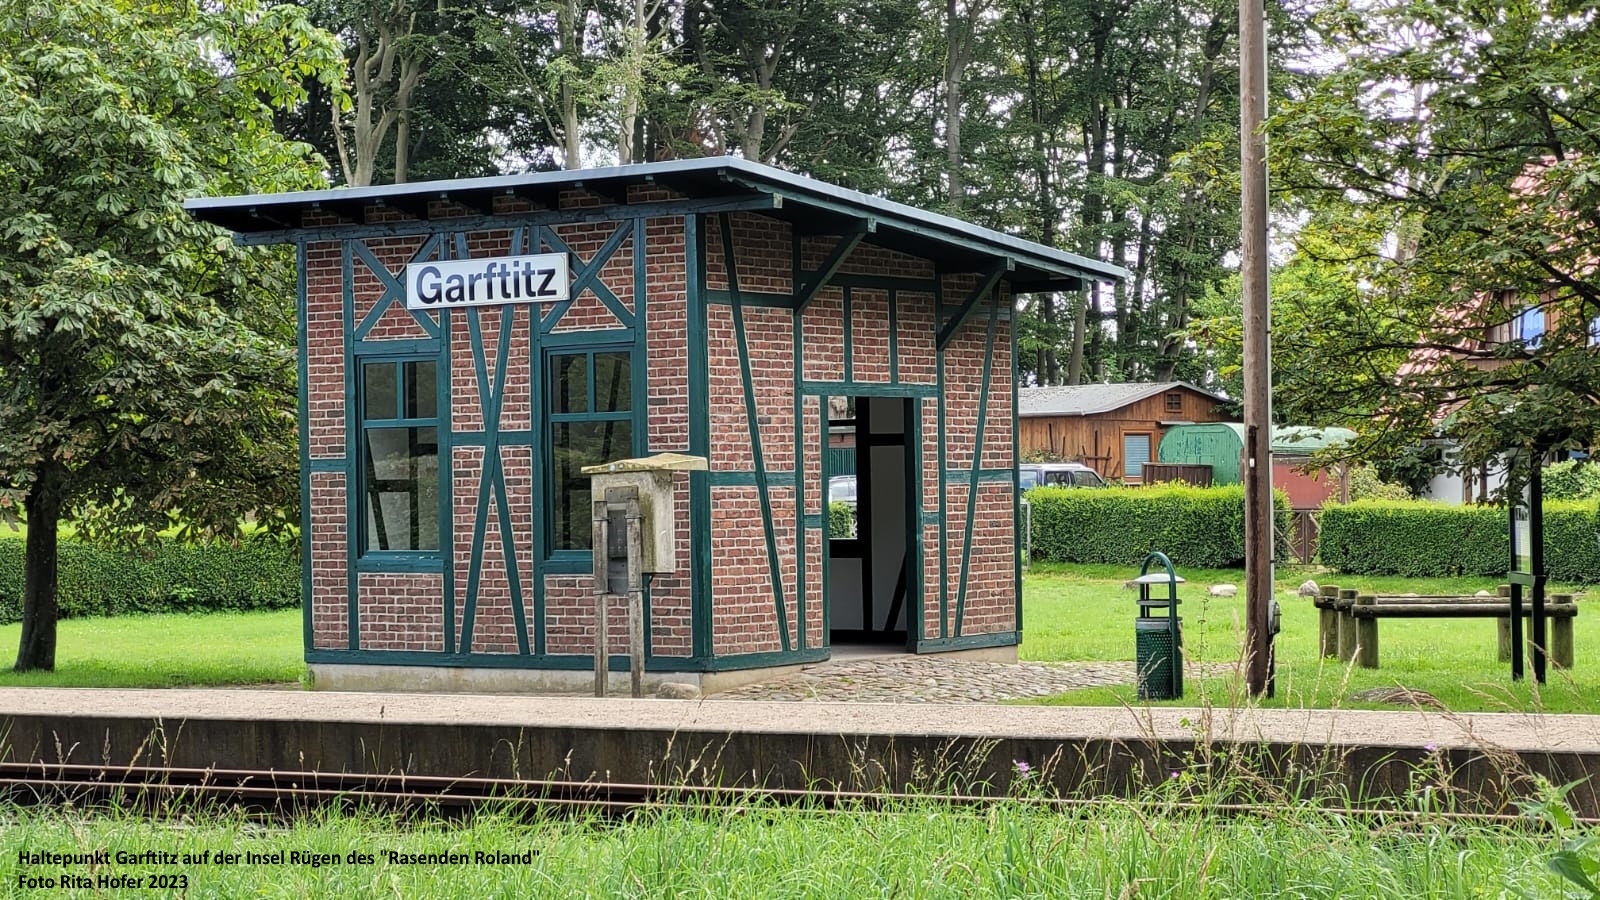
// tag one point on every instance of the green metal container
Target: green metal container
(1158, 640)
(1220, 445)
(1158, 657)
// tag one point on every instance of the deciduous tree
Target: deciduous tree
(145, 361)
(1456, 147)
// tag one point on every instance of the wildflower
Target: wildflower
(1431, 748)
(1023, 769)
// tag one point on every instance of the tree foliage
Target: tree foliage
(145, 361)
(1450, 166)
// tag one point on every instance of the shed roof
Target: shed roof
(821, 207)
(1092, 399)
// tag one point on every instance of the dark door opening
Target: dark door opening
(872, 578)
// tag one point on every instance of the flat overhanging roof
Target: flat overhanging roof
(814, 207)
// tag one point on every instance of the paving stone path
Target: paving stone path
(927, 679)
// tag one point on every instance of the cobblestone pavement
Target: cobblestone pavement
(928, 679)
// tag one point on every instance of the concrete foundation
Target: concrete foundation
(1477, 761)
(577, 682)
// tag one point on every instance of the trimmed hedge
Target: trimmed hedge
(1570, 481)
(1422, 539)
(168, 577)
(841, 519)
(1193, 526)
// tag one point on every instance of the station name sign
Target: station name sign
(541, 278)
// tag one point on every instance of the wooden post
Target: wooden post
(1366, 635)
(1561, 633)
(1328, 621)
(1347, 625)
(635, 598)
(1503, 628)
(1258, 518)
(601, 534)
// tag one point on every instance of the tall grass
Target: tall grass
(915, 849)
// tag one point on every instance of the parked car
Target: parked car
(1030, 475)
(842, 489)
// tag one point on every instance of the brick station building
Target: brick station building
(709, 307)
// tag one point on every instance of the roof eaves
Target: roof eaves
(248, 213)
(920, 222)
(1137, 393)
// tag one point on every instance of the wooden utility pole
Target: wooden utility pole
(1258, 542)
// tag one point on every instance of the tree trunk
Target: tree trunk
(37, 651)
(1048, 216)
(956, 49)
(572, 50)
(1096, 129)
(1080, 316)
(1093, 218)
(402, 143)
(755, 131)
(636, 45)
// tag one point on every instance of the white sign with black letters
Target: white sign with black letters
(541, 278)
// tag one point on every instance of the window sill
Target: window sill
(429, 561)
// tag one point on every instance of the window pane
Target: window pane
(380, 400)
(402, 484)
(569, 384)
(1531, 325)
(573, 446)
(422, 389)
(613, 389)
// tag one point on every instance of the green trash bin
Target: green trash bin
(1158, 639)
(1155, 655)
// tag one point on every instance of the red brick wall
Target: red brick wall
(404, 611)
(744, 615)
(325, 350)
(588, 312)
(330, 615)
(393, 254)
(990, 604)
(667, 429)
(396, 613)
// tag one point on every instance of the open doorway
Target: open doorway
(873, 572)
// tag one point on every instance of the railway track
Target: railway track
(285, 793)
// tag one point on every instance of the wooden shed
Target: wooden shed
(468, 347)
(1114, 428)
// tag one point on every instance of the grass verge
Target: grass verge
(169, 651)
(921, 850)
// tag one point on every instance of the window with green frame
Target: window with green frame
(589, 407)
(399, 456)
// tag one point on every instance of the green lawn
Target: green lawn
(168, 651)
(1082, 613)
(1069, 613)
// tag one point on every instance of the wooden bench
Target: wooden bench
(1348, 621)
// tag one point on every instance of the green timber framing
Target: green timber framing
(737, 186)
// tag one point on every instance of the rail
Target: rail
(144, 788)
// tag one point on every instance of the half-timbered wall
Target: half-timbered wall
(871, 331)
(736, 369)
(495, 593)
